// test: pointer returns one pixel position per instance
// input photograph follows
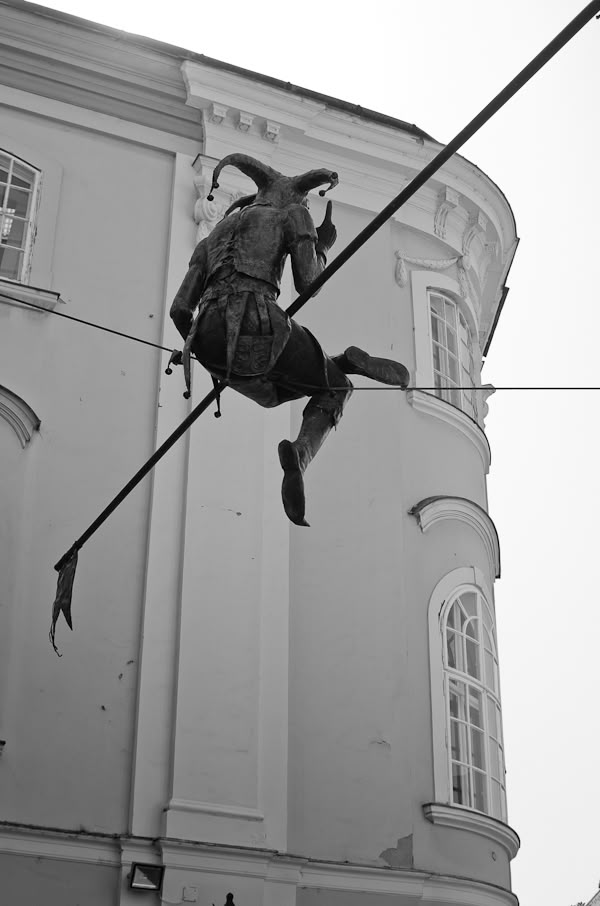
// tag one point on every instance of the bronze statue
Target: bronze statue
(240, 334)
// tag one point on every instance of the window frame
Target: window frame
(463, 398)
(422, 283)
(444, 595)
(488, 696)
(39, 277)
(32, 216)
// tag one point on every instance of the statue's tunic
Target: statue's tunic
(240, 331)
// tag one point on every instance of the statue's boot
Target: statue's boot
(386, 371)
(295, 457)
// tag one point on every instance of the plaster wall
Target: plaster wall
(96, 397)
(27, 881)
(361, 578)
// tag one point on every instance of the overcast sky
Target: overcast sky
(436, 63)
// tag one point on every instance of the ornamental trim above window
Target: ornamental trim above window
(432, 510)
(19, 196)
(19, 415)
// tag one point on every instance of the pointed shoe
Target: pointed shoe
(386, 371)
(292, 488)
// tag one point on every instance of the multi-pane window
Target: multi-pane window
(452, 348)
(18, 189)
(473, 705)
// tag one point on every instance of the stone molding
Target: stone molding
(214, 808)
(301, 872)
(430, 404)
(181, 856)
(430, 264)
(433, 510)
(462, 263)
(13, 293)
(337, 139)
(64, 845)
(474, 822)
(115, 75)
(145, 87)
(19, 415)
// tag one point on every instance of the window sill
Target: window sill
(433, 405)
(12, 293)
(474, 822)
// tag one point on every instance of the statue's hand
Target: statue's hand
(326, 233)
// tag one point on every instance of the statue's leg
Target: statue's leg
(386, 371)
(320, 415)
(303, 365)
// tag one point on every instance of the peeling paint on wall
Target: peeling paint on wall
(401, 856)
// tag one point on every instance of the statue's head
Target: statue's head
(273, 188)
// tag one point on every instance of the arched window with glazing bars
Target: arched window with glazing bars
(472, 695)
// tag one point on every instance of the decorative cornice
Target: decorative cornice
(432, 510)
(85, 66)
(217, 113)
(272, 131)
(64, 845)
(433, 405)
(244, 121)
(474, 822)
(19, 415)
(449, 199)
(207, 85)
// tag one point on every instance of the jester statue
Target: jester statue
(241, 335)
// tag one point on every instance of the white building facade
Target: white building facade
(303, 717)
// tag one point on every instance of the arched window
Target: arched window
(472, 696)
(452, 351)
(19, 183)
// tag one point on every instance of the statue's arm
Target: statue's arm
(189, 293)
(308, 246)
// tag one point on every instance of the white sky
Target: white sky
(436, 63)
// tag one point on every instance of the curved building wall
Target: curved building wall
(255, 706)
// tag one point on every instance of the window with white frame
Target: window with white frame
(19, 184)
(473, 719)
(452, 349)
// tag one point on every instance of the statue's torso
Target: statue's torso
(257, 240)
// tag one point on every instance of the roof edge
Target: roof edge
(182, 53)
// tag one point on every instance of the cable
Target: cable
(61, 314)
(67, 564)
(128, 336)
(437, 389)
